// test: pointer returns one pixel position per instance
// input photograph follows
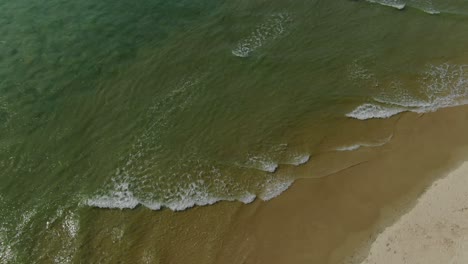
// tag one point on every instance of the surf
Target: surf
(442, 86)
(122, 197)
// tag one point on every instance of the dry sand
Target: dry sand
(435, 231)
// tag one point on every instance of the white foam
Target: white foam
(196, 194)
(350, 147)
(7, 254)
(24, 222)
(367, 145)
(299, 159)
(176, 205)
(186, 203)
(120, 198)
(427, 6)
(71, 225)
(274, 187)
(368, 111)
(67, 236)
(398, 4)
(431, 11)
(261, 163)
(268, 31)
(441, 86)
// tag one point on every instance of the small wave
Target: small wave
(274, 188)
(391, 3)
(430, 11)
(427, 6)
(123, 198)
(441, 86)
(368, 111)
(261, 163)
(350, 147)
(367, 145)
(268, 31)
(120, 198)
(186, 203)
(299, 159)
(180, 205)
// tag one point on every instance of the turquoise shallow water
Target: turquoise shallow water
(115, 104)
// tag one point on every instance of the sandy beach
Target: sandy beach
(233, 132)
(434, 231)
(334, 219)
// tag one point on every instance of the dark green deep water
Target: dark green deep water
(118, 104)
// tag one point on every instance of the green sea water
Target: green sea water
(109, 105)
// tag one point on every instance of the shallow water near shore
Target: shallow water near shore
(111, 110)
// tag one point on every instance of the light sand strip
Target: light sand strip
(434, 231)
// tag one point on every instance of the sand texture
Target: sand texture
(434, 231)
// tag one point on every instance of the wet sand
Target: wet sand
(332, 215)
(327, 220)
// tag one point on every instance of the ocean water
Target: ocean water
(117, 105)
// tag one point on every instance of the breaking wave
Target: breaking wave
(441, 86)
(365, 144)
(426, 6)
(197, 194)
(392, 3)
(261, 163)
(300, 159)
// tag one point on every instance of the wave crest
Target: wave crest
(196, 194)
(441, 86)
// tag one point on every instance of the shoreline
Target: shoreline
(331, 214)
(435, 230)
(334, 216)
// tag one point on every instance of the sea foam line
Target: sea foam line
(123, 198)
(367, 145)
